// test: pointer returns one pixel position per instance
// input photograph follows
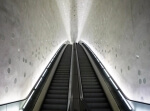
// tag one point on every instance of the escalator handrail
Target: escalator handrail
(79, 75)
(80, 83)
(70, 95)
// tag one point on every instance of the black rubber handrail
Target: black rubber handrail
(79, 76)
(80, 84)
(70, 95)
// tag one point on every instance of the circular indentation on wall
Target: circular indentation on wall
(30, 63)
(24, 74)
(32, 53)
(5, 19)
(140, 81)
(131, 38)
(8, 70)
(128, 67)
(19, 58)
(144, 43)
(121, 70)
(6, 89)
(2, 37)
(25, 60)
(140, 46)
(142, 98)
(116, 55)
(36, 50)
(18, 50)
(139, 72)
(149, 49)
(115, 67)
(144, 80)
(13, 36)
(15, 80)
(102, 50)
(9, 61)
(137, 56)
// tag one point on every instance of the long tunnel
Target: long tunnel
(74, 55)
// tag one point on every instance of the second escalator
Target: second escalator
(93, 92)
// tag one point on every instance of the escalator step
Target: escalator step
(91, 87)
(60, 84)
(88, 77)
(89, 80)
(98, 105)
(62, 78)
(54, 107)
(59, 88)
(90, 83)
(63, 75)
(57, 91)
(60, 81)
(102, 109)
(55, 101)
(94, 95)
(56, 96)
(96, 100)
(93, 90)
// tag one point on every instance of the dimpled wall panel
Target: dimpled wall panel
(30, 32)
(119, 33)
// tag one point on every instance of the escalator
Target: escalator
(74, 86)
(93, 92)
(57, 94)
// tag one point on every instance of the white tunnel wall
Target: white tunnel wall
(119, 33)
(30, 33)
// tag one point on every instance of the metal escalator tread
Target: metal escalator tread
(93, 92)
(56, 98)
